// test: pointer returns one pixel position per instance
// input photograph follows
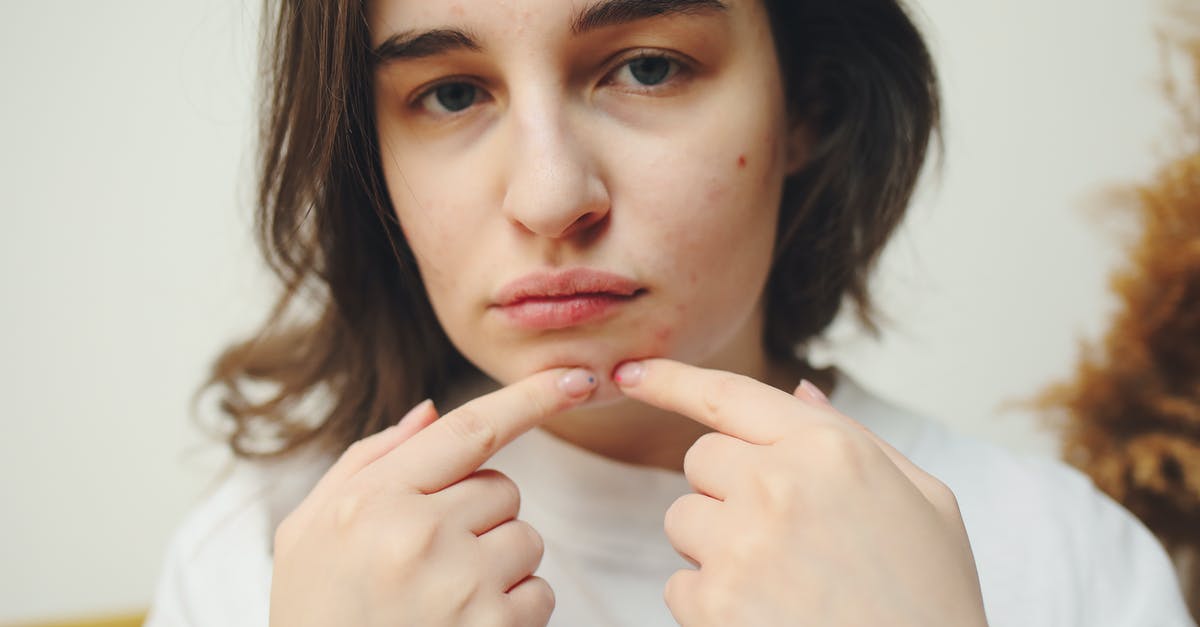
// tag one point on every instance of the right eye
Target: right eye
(450, 98)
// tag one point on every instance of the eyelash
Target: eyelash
(678, 70)
(677, 66)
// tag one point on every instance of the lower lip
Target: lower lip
(562, 313)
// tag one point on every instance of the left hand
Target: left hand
(801, 516)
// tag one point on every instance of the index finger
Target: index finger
(733, 404)
(464, 439)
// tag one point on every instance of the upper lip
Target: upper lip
(565, 283)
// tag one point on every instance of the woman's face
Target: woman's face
(541, 137)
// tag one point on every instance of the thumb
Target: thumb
(376, 446)
(810, 393)
(416, 419)
(365, 451)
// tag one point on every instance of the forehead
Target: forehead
(543, 17)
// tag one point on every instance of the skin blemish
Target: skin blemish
(661, 344)
(741, 161)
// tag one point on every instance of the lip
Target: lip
(557, 300)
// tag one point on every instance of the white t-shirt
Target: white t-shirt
(1051, 550)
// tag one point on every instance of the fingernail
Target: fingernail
(421, 408)
(813, 391)
(629, 374)
(577, 382)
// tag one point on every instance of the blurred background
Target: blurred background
(126, 157)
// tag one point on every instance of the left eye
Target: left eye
(647, 71)
(451, 97)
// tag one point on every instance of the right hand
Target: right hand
(406, 530)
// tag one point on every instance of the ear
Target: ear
(797, 147)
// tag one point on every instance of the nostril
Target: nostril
(586, 222)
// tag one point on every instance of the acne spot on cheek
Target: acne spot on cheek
(659, 346)
(741, 162)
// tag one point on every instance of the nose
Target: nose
(553, 188)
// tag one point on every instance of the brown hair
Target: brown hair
(857, 76)
(1130, 418)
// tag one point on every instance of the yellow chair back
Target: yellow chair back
(127, 620)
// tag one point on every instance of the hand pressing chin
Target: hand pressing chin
(801, 516)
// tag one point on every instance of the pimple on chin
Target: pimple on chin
(741, 162)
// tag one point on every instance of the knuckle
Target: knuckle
(512, 493)
(462, 593)
(675, 515)
(285, 535)
(836, 446)
(535, 607)
(496, 615)
(503, 493)
(533, 539)
(944, 498)
(715, 396)
(702, 449)
(353, 450)
(473, 429)
(534, 399)
(347, 512)
(777, 494)
(455, 598)
(542, 596)
(414, 543)
(674, 592)
(743, 556)
(715, 603)
(354, 455)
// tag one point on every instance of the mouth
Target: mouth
(544, 301)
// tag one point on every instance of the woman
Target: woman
(596, 235)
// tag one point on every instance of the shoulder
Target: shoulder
(1037, 524)
(1051, 549)
(217, 566)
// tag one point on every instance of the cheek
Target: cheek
(663, 335)
(429, 197)
(706, 235)
(433, 208)
(709, 230)
(428, 238)
(442, 242)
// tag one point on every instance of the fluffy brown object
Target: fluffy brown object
(1130, 418)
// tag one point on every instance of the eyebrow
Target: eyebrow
(615, 12)
(416, 45)
(411, 45)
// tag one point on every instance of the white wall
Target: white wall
(125, 129)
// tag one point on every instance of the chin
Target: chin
(603, 365)
(600, 355)
(606, 394)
